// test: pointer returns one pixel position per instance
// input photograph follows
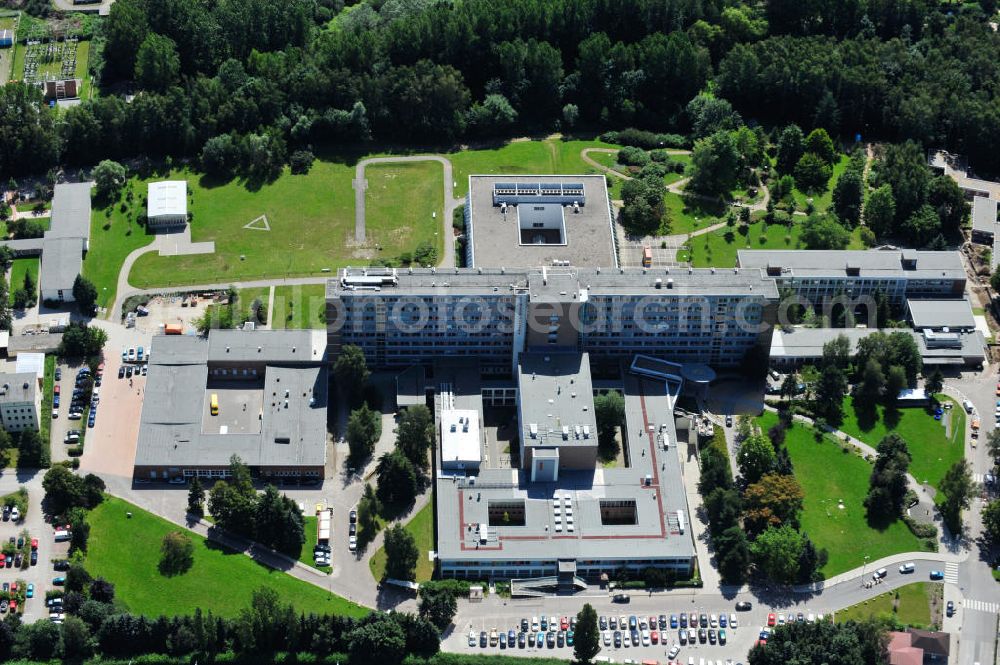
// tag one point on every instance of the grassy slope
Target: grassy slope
(932, 451)
(422, 528)
(827, 476)
(17, 271)
(399, 202)
(219, 580)
(299, 306)
(914, 605)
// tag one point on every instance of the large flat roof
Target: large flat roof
(556, 392)
(867, 263)
(70, 211)
(654, 534)
(292, 430)
(62, 261)
(955, 314)
(806, 344)
(18, 387)
(561, 284)
(496, 240)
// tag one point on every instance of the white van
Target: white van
(881, 572)
(62, 535)
(907, 568)
(967, 405)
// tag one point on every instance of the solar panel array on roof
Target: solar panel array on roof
(533, 192)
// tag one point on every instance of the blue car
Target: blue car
(673, 621)
(59, 581)
(937, 575)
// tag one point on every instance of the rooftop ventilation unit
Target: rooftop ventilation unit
(586, 431)
(533, 430)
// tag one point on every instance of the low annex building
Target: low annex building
(166, 203)
(260, 395)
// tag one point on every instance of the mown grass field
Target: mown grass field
(127, 551)
(299, 306)
(399, 204)
(422, 528)
(828, 476)
(914, 607)
(933, 452)
(719, 248)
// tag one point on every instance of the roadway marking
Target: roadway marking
(951, 573)
(981, 605)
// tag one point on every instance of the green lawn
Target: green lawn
(827, 476)
(306, 556)
(688, 213)
(299, 306)
(399, 202)
(17, 271)
(914, 607)
(822, 201)
(718, 248)
(247, 296)
(546, 156)
(45, 418)
(422, 528)
(113, 235)
(126, 552)
(933, 452)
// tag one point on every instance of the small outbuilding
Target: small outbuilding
(166, 204)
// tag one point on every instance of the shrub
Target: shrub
(643, 139)
(177, 554)
(631, 156)
(921, 529)
(75, 451)
(301, 161)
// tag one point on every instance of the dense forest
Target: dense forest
(248, 82)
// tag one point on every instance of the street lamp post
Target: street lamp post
(863, 566)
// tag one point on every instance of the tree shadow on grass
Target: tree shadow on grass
(891, 416)
(866, 414)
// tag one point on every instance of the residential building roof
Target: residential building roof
(70, 211)
(167, 198)
(952, 314)
(984, 214)
(62, 261)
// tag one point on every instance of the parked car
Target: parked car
(937, 575)
(950, 608)
(34, 543)
(621, 598)
(352, 543)
(744, 606)
(907, 567)
(121, 372)
(59, 581)
(61, 564)
(34, 557)
(58, 373)
(30, 591)
(15, 514)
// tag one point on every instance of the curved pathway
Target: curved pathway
(360, 184)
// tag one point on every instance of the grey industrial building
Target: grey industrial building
(63, 246)
(800, 346)
(271, 389)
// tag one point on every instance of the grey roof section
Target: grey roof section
(273, 346)
(62, 261)
(170, 432)
(953, 314)
(25, 246)
(652, 537)
(18, 388)
(496, 240)
(556, 391)
(547, 284)
(70, 211)
(882, 263)
(984, 214)
(807, 344)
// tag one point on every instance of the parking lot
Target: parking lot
(110, 444)
(61, 424)
(708, 643)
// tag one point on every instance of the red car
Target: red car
(770, 619)
(654, 637)
(55, 389)
(761, 643)
(13, 587)
(13, 606)
(564, 623)
(34, 543)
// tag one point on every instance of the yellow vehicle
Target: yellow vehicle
(214, 406)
